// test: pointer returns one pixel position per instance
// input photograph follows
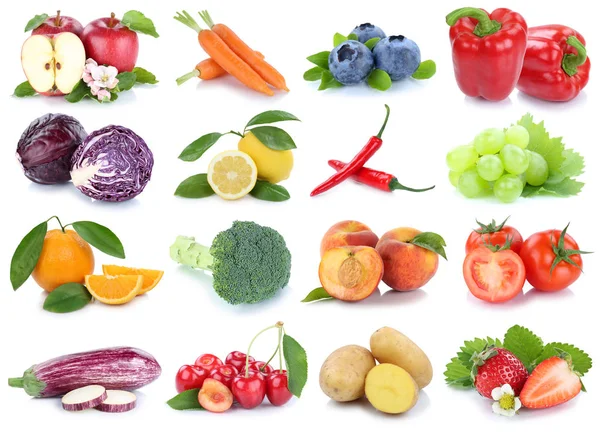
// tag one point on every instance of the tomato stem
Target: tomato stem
(562, 254)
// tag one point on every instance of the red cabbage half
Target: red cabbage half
(113, 164)
(46, 147)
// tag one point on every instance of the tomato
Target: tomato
(495, 277)
(550, 248)
(496, 235)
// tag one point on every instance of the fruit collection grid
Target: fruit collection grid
(251, 263)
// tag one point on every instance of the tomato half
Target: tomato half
(541, 250)
(496, 235)
(494, 277)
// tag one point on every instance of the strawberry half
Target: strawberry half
(495, 367)
(551, 383)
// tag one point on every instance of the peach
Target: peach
(407, 267)
(351, 273)
(214, 396)
(348, 233)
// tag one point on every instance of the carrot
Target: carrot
(238, 46)
(224, 56)
(206, 70)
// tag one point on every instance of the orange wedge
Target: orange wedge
(114, 290)
(151, 277)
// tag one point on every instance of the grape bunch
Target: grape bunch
(497, 162)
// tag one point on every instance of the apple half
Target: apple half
(53, 64)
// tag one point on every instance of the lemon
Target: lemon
(273, 165)
(232, 174)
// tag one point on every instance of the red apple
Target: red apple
(58, 24)
(109, 42)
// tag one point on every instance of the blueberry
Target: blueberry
(351, 62)
(367, 31)
(398, 56)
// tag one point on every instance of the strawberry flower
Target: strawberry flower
(506, 403)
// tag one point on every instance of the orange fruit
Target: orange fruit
(65, 258)
(151, 277)
(114, 290)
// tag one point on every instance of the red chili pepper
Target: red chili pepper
(356, 163)
(487, 50)
(556, 66)
(376, 179)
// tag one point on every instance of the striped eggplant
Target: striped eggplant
(119, 368)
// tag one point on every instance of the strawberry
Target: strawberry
(495, 367)
(551, 383)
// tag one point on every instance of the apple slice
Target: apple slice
(53, 64)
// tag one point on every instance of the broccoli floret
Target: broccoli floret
(249, 262)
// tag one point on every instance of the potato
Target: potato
(343, 374)
(391, 346)
(391, 389)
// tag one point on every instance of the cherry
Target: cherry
(249, 389)
(238, 359)
(224, 374)
(277, 388)
(261, 366)
(208, 362)
(190, 377)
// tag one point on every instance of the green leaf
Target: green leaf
(273, 116)
(79, 92)
(379, 80)
(320, 59)
(143, 76)
(274, 137)
(67, 298)
(457, 374)
(431, 241)
(565, 188)
(328, 81)
(582, 362)
(530, 191)
(26, 255)
(296, 364)
(196, 186)
(35, 22)
(187, 400)
(339, 38)
(24, 90)
(100, 237)
(138, 22)
(313, 74)
(316, 295)
(573, 165)
(523, 343)
(126, 81)
(476, 345)
(353, 36)
(263, 190)
(540, 142)
(372, 42)
(196, 149)
(426, 70)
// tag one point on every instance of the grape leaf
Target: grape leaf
(457, 374)
(540, 142)
(573, 164)
(582, 362)
(523, 343)
(565, 188)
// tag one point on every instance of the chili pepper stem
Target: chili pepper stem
(187, 76)
(571, 62)
(396, 185)
(387, 116)
(278, 325)
(485, 25)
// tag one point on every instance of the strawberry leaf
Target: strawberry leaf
(457, 374)
(475, 346)
(582, 362)
(524, 344)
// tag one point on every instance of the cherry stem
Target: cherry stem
(279, 325)
(111, 22)
(57, 19)
(280, 349)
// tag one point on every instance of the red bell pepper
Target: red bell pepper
(487, 51)
(556, 66)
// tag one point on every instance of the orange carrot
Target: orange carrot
(206, 70)
(224, 56)
(239, 47)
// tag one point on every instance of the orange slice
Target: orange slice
(114, 290)
(151, 277)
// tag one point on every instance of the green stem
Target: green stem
(16, 382)
(485, 25)
(236, 133)
(571, 62)
(185, 18)
(387, 116)
(207, 18)
(277, 325)
(58, 220)
(280, 350)
(396, 185)
(271, 358)
(193, 74)
(186, 251)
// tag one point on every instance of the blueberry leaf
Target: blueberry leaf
(339, 38)
(320, 59)
(352, 36)
(425, 70)
(372, 42)
(328, 81)
(313, 74)
(379, 80)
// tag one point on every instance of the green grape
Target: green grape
(508, 188)
(490, 167)
(537, 172)
(514, 159)
(490, 141)
(453, 176)
(471, 185)
(461, 158)
(518, 136)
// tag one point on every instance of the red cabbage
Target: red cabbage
(113, 164)
(46, 147)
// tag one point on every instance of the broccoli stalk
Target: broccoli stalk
(186, 251)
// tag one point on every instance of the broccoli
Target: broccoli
(249, 262)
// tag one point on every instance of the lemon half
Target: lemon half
(232, 174)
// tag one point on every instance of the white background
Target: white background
(183, 318)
